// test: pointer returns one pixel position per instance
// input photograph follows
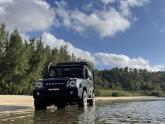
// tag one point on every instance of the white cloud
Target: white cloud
(126, 5)
(121, 61)
(106, 21)
(101, 59)
(108, 1)
(88, 7)
(24, 37)
(53, 42)
(38, 15)
(26, 15)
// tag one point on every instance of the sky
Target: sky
(109, 33)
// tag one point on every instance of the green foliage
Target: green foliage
(3, 39)
(132, 81)
(117, 94)
(97, 92)
(105, 92)
(154, 93)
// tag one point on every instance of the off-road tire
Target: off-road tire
(83, 101)
(38, 105)
(60, 106)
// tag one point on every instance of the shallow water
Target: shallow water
(104, 112)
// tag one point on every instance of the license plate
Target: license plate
(53, 89)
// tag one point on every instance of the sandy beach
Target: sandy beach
(18, 100)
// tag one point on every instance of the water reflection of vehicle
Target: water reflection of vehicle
(88, 116)
(70, 115)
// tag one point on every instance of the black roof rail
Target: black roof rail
(73, 64)
(50, 64)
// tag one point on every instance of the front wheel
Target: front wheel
(39, 105)
(61, 106)
(83, 101)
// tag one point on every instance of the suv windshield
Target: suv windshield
(74, 72)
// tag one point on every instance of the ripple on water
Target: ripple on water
(8, 114)
(133, 112)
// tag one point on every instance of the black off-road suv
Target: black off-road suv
(65, 84)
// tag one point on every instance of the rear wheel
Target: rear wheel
(39, 105)
(92, 101)
(83, 101)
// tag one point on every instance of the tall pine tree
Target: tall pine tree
(15, 64)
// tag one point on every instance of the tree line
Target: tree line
(131, 80)
(23, 62)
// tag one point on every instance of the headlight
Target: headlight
(71, 83)
(38, 84)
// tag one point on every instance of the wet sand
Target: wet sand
(20, 100)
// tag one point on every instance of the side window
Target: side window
(51, 73)
(90, 76)
(86, 73)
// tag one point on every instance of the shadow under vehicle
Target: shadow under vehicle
(65, 84)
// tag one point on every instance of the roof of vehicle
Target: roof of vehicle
(73, 64)
(70, 64)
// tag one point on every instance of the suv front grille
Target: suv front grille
(55, 84)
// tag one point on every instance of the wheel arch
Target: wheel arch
(84, 89)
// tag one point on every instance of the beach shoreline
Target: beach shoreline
(23, 100)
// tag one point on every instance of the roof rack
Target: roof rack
(73, 64)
